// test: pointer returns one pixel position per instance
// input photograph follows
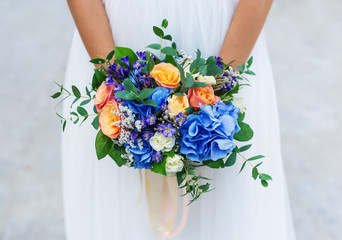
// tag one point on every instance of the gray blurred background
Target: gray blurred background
(305, 47)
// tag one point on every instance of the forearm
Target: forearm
(93, 25)
(244, 30)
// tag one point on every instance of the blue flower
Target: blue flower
(150, 119)
(133, 136)
(160, 95)
(157, 157)
(141, 55)
(180, 118)
(167, 129)
(118, 73)
(209, 135)
(125, 60)
(138, 108)
(143, 155)
(147, 135)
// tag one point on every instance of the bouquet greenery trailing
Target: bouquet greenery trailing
(164, 111)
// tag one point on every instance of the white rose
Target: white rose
(207, 79)
(161, 143)
(173, 165)
(238, 102)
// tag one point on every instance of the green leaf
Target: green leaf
(258, 164)
(97, 60)
(95, 122)
(265, 177)
(129, 86)
(167, 37)
(75, 91)
(145, 93)
(169, 51)
(249, 72)
(121, 52)
(255, 173)
(56, 95)
(249, 62)
(189, 110)
(155, 46)
(242, 167)
(213, 70)
(95, 84)
(103, 144)
(125, 95)
(165, 23)
(214, 164)
(170, 59)
(110, 55)
(199, 84)
(64, 124)
(245, 148)
(245, 133)
(231, 160)
(159, 32)
(174, 46)
(241, 117)
(264, 183)
(240, 69)
(182, 75)
(159, 167)
(100, 77)
(115, 153)
(150, 65)
(85, 102)
(150, 102)
(82, 111)
(178, 94)
(180, 177)
(189, 80)
(255, 157)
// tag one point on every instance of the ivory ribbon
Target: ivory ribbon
(162, 200)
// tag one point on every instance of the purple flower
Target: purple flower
(133, 136)
(117, 73)
(157, 157)
(147, 135)
(150, 119)
(125, 60)
(163, 107)
(219, 62)
(167, 129)
(137, 65)
(141, 55)
(180, 118)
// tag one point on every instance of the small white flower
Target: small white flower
(161, 143)
(173, 165)
(238, 102)
(207, 79)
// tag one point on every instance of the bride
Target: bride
(100, 199)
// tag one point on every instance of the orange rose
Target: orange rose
(204, 95)
(166, 75)
(103, 95)
(107, 119)
(177, 104)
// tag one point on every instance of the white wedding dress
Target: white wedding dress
(100, 199)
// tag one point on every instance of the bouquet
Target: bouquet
(163, 111)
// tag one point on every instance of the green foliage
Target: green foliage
(103, 145)
(214, 164)
(150, 65)
(125, 95)
(245, 134)
(159, 32)
(110, 55)
(230, 160)
(150, 102)
(165, 23)
(145, 93)
(155, 46)
(121, 52)
(115, 153)
(169, 51)
(95, 122)
(97, 61)
(256, 157)
(170, 59)
(160, 167)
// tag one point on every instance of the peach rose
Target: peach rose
(103, 95)
(107, 119)
(204, 95)
(166, 75)
(177, 104)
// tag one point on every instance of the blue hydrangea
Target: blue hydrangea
(209, 135)
(160, 95)
(143, 156)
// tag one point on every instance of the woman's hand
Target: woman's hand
(93, 25)
(244, 30)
